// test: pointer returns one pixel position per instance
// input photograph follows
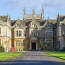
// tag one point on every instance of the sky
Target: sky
(15, 8)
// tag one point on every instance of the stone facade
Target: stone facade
(5, 33)
(32, 33)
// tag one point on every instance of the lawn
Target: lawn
(60, 55)
(7, 56)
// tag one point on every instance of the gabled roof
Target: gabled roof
(61, 17)
(12, 22)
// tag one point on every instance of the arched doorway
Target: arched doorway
(33, 46)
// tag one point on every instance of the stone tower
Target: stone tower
(24, 12)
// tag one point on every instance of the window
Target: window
(25, 34)
(42, 43)
(16, 43)
(20, 33)
(35, 34)
(0, 30)
(21, 44)
(16, 33)
(0, 42)
(49, 42)
(35, 25)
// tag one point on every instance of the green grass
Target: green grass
(60, 55)
(7, 56)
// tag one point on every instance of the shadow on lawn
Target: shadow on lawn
(31, 62)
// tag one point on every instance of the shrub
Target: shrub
(42, 48)
(1, 49)
(63, 49)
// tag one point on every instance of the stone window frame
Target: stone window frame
(19, 33)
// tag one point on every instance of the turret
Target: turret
(58, 18)
(42, 14)
(33, 12)
(24, 12)
(8, 18)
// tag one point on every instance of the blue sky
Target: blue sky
(15, 8)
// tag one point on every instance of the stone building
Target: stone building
(5, 32)
(34, 32)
